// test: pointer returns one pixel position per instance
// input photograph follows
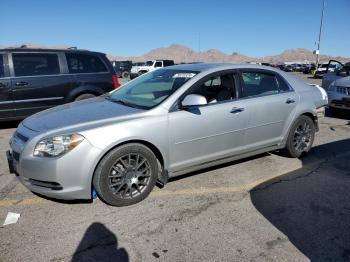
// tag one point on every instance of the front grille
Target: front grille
(343, 90)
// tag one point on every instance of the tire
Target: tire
(84, 96)
(125, 74)
(126, 175)
(300, 138)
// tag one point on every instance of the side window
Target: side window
(217, 88)
(282, 85)
(259, 84)
(33, 64)
(158, 64)
(2, 69)
(83, 63)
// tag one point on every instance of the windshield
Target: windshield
(149, 63)
(150, 89)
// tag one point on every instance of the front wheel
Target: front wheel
(126, 175)
(301, 137)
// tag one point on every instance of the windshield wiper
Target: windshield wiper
(122, 102)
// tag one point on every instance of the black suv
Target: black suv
(32, 80)
(122, 68)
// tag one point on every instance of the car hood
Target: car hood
(344, 81)
(79, 114)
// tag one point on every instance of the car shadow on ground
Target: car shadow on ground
(311, 206)
(99, 244)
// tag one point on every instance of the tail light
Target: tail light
(115, 81)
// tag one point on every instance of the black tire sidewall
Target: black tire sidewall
(291, 151)
(100, 180)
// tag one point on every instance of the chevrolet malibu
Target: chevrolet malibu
(163, 124)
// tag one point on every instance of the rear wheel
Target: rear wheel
(301, 137)
(84, 96)
(126, 175)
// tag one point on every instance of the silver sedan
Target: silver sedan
(165, 123)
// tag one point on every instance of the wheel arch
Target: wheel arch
(83, 90)
(162, 176)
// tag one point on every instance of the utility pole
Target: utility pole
(319, 37)
(199, 46)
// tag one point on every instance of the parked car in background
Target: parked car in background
(138, 63)
(339, 94)
(298, 67)
(149, 66)
(122, 68)
(288, 68)
(169, 122)
(308, 68)
(335, 70)
(320, 71)
(32, 80)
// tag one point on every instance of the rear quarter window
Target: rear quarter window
(83, 63)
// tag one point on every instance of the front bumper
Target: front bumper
(338, 100)
(67, 177)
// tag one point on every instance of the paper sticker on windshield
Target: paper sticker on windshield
(184, 75)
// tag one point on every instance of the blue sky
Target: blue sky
(251, 27)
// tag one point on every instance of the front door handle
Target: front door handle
(236, 110)
(21, 83)
(290, 101)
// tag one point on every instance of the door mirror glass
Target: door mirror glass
(194, 100)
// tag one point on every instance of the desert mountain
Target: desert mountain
(181, 53)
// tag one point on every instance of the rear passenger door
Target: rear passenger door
(37, 82)
(6, 100)
(271, 103)
(90, 73)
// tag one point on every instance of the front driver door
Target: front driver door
(207, 133)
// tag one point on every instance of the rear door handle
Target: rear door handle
(236, 110)
(290, 101)
(21, 83)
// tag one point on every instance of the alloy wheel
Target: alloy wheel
(129, 176)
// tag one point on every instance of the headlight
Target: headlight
(57, 145)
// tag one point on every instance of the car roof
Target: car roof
(202, 67)
(48, 50)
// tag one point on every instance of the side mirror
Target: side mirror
(193, 100)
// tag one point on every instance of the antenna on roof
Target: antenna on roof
(23, 46)
(72, 48)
